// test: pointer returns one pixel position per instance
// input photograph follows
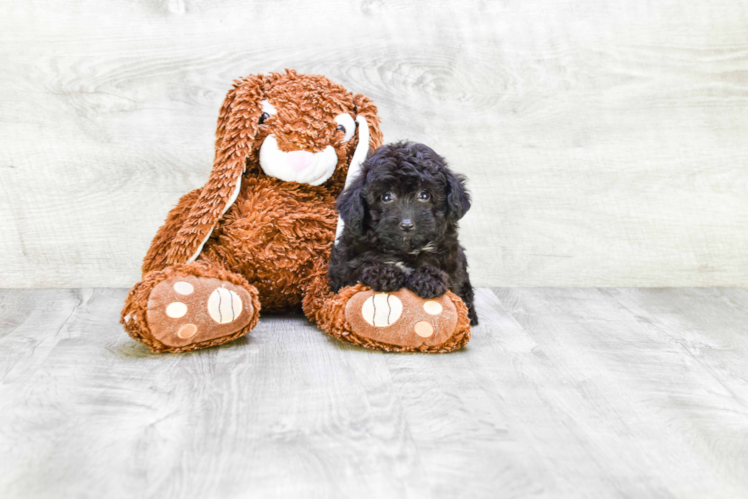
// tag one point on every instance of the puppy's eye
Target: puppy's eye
(264, 117)
(424, 196)
(387, 197)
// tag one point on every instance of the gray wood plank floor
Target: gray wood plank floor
(562, 392)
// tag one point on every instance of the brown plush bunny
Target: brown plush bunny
(259, 233)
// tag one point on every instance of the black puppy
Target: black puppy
(400, 230)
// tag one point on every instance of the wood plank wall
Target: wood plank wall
(606, 142)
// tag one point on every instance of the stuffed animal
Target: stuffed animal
(259, 233)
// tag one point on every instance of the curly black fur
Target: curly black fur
(400, 230)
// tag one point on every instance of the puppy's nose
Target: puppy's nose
(407, 225)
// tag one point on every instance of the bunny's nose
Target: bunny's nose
(407, 225)
(300, 160)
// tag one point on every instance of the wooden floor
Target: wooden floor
(562, 392)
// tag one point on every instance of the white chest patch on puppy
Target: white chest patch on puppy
(428, 248)
(400, 265)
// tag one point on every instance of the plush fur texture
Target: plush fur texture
(401, 217)
(307, 106)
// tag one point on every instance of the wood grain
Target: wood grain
(561, 393)
(604, 141)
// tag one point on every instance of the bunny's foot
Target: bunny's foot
(399, 321)
(191, 306)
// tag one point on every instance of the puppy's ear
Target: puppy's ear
(458, 199)
(352, 206)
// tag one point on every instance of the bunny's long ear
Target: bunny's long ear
(365, 108)
(368, 131)
(238, 122)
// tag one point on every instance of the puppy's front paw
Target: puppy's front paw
(383, 277)
(428, 282)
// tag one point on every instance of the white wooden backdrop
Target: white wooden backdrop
(606, 142)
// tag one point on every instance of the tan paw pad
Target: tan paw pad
(176, 310)
(423, 329)
(382, 309)
(432, 307)
(187, 331)
(224, 306)
(183, 288)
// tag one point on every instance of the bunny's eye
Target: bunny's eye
(347, 125)
(267, 110)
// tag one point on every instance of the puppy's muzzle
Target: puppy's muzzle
(407, 225)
